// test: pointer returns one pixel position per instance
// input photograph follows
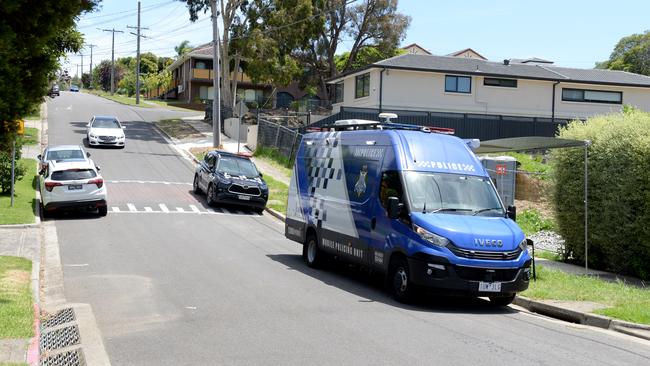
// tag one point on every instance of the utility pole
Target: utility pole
(216, 98)
(137, 71)
(82, 71)
(112, 57)
(91, 63)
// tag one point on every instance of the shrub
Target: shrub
(531, 221)
(619, 192)
(5, 169)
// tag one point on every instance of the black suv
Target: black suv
(231, 179)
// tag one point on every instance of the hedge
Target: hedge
(619, 192)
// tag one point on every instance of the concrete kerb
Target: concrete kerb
(579, 317)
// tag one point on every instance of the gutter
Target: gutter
(381, 88)
(553, 102)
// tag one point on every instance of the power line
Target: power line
(131, 10)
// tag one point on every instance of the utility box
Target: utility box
(503, 172)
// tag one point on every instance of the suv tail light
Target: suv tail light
(98, 182)
(50, 185)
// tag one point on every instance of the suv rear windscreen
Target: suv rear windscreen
(73, 174)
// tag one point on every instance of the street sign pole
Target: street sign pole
(241, 108)
(13, 169)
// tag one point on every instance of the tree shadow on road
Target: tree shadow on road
(370, 287)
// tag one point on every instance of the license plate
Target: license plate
(489, 286)
(73, 187)
(244, 198)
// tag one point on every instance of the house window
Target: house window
(506, 83)
(458, 84)
(200, 65)
(592, 96)
(362, 86)
(338, 92)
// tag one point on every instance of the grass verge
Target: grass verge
(274, 155)
(17, 311)
(24, 198)
(283, 169)
(547, 254)
(177, 105)
(178, 129)
(123, 99)
(278, 193)
(31, 136)
(625, 302)
(533, 164)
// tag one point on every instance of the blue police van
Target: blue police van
(408, 202)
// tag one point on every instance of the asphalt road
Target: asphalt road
(193, 287)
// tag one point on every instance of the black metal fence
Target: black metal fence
(281, 138)
(465, 125)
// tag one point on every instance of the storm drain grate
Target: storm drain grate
(61, 317)
(69, 358)
(60, 338)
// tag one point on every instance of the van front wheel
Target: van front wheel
(399, 282)
(312, 255)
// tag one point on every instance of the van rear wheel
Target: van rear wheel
(311, 253)
(399, 281)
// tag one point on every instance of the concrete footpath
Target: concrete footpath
(580, 312)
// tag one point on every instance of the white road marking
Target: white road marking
(180, 209)
(148, 209)
(163, 207)
(76, 265)
(194, 209)
(190, 307)
(131, 207)
(115, 209)
(149, 182)
(225, 210)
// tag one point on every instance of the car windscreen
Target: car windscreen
(73, 174)
(237, 167)
(452, 193)
(64, 155)
(105, 123)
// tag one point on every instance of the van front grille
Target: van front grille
(482, 254)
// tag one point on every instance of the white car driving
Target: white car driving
(62, 153)
(72, 185)
(105, 130)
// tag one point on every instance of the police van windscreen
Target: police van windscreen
(452, 193)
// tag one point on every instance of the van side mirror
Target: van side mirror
(511, 213)
(393, 207)
(39, 157)
(261, 175)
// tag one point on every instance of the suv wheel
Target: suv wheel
(102, 210)
(399, 281)
(195, 185)
(210, 195)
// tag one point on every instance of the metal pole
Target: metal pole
(216, 98)
(137, 70)
(113, 63)
(587, 143)
(241, 107)
(13, 169)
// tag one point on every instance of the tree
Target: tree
(632, 54)
(183, 48)
(32, 39)
(228, 12)
(102, 75)
(365, 56)
(85, 80)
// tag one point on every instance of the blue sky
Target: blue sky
(573, 33)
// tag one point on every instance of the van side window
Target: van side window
(391, 186)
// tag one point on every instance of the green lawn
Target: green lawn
(31, 136)
(24, 198)
(531, 221)
(119, 98)
(285, 171)
(626, 302)
(274, 155)
(278, 193)
(16, 309)
(174, 105)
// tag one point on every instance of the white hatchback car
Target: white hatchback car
(70, 185)
(62, 153)
(105, 130)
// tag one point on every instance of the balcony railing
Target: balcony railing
(207, 74)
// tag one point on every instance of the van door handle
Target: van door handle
(373, 223)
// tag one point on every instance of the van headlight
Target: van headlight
(432, 238)
(523, 245)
